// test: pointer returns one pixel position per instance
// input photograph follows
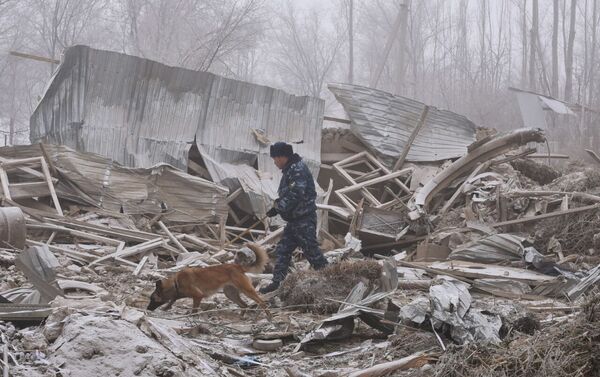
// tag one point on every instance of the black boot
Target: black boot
(269, 288)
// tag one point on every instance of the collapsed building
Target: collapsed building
(454, 251)
(139, 113)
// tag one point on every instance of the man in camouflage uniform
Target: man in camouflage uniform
(296, 205)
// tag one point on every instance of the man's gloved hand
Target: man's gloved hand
(272, 212)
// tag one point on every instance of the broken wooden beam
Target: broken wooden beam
(172, 237)
(416, 360)
(411, 139)
(546, 216)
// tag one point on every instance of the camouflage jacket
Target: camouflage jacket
(296, 191)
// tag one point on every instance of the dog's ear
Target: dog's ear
(159, 285)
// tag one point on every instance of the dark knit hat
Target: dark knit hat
(281, 149)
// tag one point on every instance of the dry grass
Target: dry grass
(566, 349)
(574, 232)
(310, 289)
(581, 181)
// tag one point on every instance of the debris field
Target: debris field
(466, 256)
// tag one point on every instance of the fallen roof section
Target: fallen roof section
(93, 180)
(140, 113)
(385, 122)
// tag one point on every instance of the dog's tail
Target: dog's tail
(261, 259)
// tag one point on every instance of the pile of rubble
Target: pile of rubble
(454, 250)
(485, 265)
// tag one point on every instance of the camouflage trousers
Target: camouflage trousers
(298, 233)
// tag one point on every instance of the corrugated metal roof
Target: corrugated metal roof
(384, 122)
(94, 180)
(140, 112)
(494, 248)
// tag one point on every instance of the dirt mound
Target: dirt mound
(310, 289)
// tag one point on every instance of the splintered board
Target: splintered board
(483, 271)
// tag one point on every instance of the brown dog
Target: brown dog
(200, 282)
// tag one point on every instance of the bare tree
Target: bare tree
(593, 66)
(555, 12)
(350, 11)
(305, 50)
(62, 23)
(402, 38)
(524, 43)
(569, 53)
(197, 35)
(482, 37)
(533, 40)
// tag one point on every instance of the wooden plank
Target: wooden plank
(339, 211)
(233, 196)
(509, 158)
(351, 158)
(34, 57)
(411, 139)
(341, 167)
(193, 240)
(28, 190)
(545, 216)
(75, 233)
(338, 120)
(323, 221)
(48, 159)
(123, 252)
(271, 237)
(481, 271)
(573, 194)
(198, 169)
(140, 265)
(172, 237)
(4, 182)
(555, 156)
(15, 164)
(77, 255)
(375, 181)
(31, 171)
(121, 233)
(416, 360)
(46, 172)
(223, 233)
